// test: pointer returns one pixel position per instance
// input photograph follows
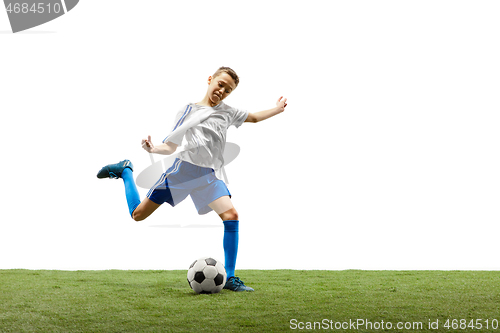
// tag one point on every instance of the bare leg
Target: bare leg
(145, 208)
(224, 208)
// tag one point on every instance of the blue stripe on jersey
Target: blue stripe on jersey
(179, 123)
(181, 120)
(190, 108)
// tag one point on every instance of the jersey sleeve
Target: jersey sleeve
(239, 117)
(179, 120)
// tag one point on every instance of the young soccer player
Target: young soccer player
(203, 127)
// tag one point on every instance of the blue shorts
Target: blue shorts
(183, 179)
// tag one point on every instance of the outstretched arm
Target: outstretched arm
(164, 149)
(263, 115)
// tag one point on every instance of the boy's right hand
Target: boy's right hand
(147, 144)
(281, 104)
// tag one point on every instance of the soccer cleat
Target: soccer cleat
(235, 284)
(114, 170)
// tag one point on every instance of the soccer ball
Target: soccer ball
(206, 276)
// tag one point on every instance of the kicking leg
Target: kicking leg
(145, 208)
(138, 210)
(224, 207)
(133, 199)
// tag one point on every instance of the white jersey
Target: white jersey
(202, 130)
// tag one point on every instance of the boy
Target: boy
(195, 172)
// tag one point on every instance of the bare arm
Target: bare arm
(164, 148)
(266, 114)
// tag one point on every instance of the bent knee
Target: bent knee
(231, 214)
(137, 215)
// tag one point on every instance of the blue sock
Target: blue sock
(133, 199)
(230, 244)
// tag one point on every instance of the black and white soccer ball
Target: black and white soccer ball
(206, 276)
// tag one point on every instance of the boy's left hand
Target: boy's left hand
(263, 115)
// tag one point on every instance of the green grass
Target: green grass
(161, 301)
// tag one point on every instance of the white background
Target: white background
(386, 157)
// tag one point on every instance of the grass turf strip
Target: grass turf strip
(161, 301)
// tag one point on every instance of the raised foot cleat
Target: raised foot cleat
(235, 284)
(115, 170)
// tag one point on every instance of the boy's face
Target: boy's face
(220, 87)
